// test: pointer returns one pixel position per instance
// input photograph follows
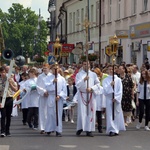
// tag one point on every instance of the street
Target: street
(23, 138)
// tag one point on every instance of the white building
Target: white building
(128, 19)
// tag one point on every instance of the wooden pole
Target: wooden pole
(57, 55)
(56, 102)
(113, 95)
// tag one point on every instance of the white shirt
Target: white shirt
(141, 91)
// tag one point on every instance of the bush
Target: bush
(91, 57)
(39, 59)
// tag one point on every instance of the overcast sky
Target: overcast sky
(34, 4)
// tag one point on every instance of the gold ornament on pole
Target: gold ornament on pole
(57, 50)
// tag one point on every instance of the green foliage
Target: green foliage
(91, 57)
(39, 59)
(19, 26)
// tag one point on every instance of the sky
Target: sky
(34, 4)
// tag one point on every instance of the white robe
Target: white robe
(25, 101)
(42, 100)
(118, 123)
(100, 100)
(51, 105)
(86, 120)
(33, 94)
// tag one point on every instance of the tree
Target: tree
(19, 26)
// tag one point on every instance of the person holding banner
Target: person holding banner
(87, 88)
(50, 81)
(7, 110)
(43, 97)
(113, 126)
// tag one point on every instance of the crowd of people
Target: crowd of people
(49, 95)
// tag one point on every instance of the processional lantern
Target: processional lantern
(57, 50)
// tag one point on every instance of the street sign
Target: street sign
(51, 60)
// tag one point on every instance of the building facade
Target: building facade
(128, 19)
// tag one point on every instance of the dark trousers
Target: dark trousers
(144, 105)
(32, 117)
(99, 119)
(135, 112)
(6, 115)
(24, 115)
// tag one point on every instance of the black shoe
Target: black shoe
(8, 134)
(89, 134)
(3, 135)
(58, 134)
(42, 132)
(113, 134)
(100, 131)
(48, 133)
(30, 125)
(79, 132)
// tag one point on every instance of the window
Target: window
(82, 17)
(92, 14)
(97, 13)
(145, 2)
(70, 23)
(77, 20)
(74, 15)
(125, 8)
(102, 12)
(109, 10)
(119, 9)
(133, 7)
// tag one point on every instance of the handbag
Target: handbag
(133, 104)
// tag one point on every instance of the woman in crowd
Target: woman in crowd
(143, 99)
(128, 93)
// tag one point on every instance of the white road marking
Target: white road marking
(68, 146)
(139, 147)
(104, 146)
(4, 147)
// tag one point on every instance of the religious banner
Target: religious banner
(67, 47)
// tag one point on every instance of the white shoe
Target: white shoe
(138, 126)
(3, 135)
(72, 121)
(66, 118)
(147, 128)
(103, 116)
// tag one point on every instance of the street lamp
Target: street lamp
(38, 28)
(22, 46)
(51, 21)
(51, 6)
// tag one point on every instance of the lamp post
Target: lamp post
(38, 29)
(22, 46)
(34, 44)
(100, 31)
(51, 10)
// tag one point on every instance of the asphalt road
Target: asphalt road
(24, 138)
